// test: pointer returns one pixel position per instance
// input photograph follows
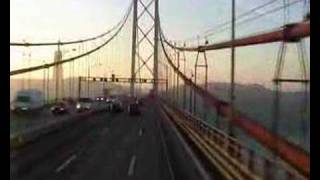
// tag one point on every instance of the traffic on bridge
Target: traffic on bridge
(160, 90)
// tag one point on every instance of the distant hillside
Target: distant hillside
(258, 102)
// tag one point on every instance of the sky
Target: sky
(51, 20)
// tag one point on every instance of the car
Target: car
(116, 105)
(108, 105)
(70, 101)
(140, 102)
(100, 102)
(100, 99)
(60, 108)
(84, 104)
(134, 109)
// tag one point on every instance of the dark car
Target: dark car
(134, 109)
(84, 104)
(60, 108)
(71, 101)
(108, 104)
(141, 101)
(116, 105)
(100, 99)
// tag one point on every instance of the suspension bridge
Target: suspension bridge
(188, 129)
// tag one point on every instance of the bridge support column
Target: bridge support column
(167, 81)
(177, 80)
(155, 45)
(133, 50)
(205, 66)
(79, 88)
(58, 75)
(184, 103)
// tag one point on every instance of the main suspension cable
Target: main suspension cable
(35, 68)
(287, 32)
(76, 41)
(244, 122)
(223, 27)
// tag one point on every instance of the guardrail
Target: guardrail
(234, 159)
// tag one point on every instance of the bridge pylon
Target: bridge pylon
(58, 75)
(145, 11)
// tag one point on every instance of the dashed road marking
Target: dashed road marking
(104, 131)
(140, 132)
(66, 163)
(131, 166)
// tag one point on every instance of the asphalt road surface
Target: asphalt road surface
(22, 122)
(104, 146)
(107, 146)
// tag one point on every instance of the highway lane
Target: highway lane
(130, 149)
(22, 122)
(38, 158)
(105, 146)
(109, 146)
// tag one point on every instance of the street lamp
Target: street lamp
(94, 66)
(71, 79)
(44, 84)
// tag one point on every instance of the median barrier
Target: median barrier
(20, 139)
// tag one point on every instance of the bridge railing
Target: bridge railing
(259, 164)
(289, 152)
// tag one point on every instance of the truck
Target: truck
(28, 101)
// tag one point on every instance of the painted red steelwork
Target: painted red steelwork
(289, 152)
(288, 32)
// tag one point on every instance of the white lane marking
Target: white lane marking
(140, 132)
(66, 163)
(131, 166)
(104, 131)
(190, 152)
(164, 145)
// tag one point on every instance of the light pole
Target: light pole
(29, 74)
(44, 83)
(89, 75)
(71, 78)
(232, 89)
(190, 97)
(70, 73)
(48, 85)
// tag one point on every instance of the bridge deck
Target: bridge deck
(106, 146)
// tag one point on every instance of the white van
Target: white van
(28, 101)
